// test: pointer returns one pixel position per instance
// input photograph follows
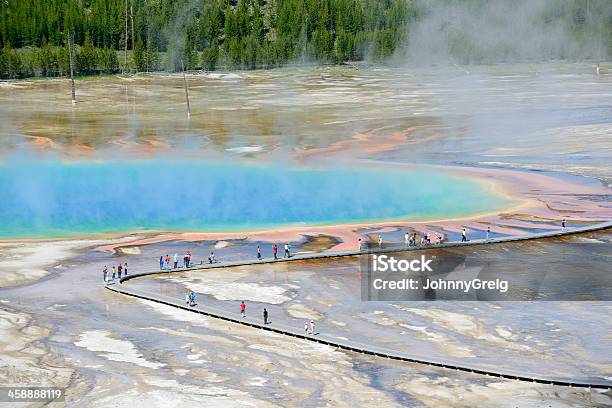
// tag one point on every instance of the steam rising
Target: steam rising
(475, 32)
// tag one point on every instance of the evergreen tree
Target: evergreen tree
(210, 55)
(86, 60)
(151, 58)
(11, 62)
(107, 60)
(140, 57)
(47, 60)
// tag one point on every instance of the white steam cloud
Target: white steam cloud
(476, 32)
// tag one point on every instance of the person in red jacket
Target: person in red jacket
(243, 309)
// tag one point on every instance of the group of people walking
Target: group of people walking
(243, 312)
(309, 328)
(115, 273)
(411, 240)
(414, 240)
(165, 262)
(274, 251)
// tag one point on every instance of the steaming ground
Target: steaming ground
(552, 116)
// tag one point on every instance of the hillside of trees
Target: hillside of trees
(206, 34)
(231, 34)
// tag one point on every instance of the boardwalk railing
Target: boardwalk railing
(362, 348)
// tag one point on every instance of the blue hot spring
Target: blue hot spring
(58, 199)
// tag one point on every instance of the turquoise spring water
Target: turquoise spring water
(55, 199)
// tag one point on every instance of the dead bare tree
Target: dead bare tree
(126, 36)
(71, 67)
(186, 90)
(132, 18)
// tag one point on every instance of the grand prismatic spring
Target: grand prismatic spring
(359, 160)
(223, 197)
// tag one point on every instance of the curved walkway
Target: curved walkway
(357, 347)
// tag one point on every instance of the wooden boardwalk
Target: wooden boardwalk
(358, 347)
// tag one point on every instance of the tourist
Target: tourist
(188, 298)
(258, 253)
(192, 299)
(424, 239)
(287, 255)
(185, 262)
(211, 257)
(312, 327)
(406, 239)
(188, 258)
(463, 235)
(360, 244)
(125, 268)
(114, 272)
(105, 272)
(119, 269)
(488, 232)
(439, 237)
(563, 225)
(175, 260)
(161, 263)
(275, 251)
(414, 239)
(243, 309)
(380, 241)
(306, 327)
(167, 261)
(265, 316)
